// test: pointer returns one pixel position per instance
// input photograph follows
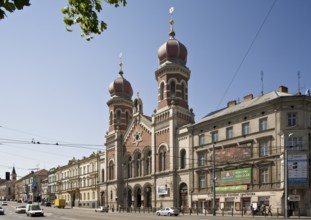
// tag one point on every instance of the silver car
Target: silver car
(168, 211)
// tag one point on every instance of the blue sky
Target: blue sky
(54, 84)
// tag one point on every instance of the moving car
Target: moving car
(1, 211)
(101, 209)
(168, 211)
(4, 203)
(20, 209)
(34, 210)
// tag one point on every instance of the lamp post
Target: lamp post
(285, 184)
(214, 183)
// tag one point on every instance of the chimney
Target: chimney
(248, 97)
(283, 89)
(231, 103)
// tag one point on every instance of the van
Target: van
(59, 203)
(34, 210)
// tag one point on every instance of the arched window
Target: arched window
(148, 163)
(129, 167)
(127, 118)
(138, 165)
(173, 89)
(183, 90)
(103, 175)
(110, 118)
(162, 91)
(182, 159)
(111, 170)
(162, 157)
(118, 117)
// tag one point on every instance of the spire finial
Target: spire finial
(172, 32)
(120, 64)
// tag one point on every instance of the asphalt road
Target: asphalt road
(90, 214)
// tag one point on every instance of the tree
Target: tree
(82, 12)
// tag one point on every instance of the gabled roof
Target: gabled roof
(245, 104)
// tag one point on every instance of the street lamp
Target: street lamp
(214, 183)
(286, 178)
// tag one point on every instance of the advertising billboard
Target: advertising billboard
(297, 168)
(235, 177)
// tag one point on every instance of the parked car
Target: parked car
(34, 210)
(168, 211)
(19, 201)
(20, 209)
(47, 204)
(4, 203)
(1, 211)
(102, 209)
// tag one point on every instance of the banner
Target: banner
(234, 177)
(230, 188)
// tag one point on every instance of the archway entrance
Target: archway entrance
(138, 197)
(183, 195)
(148, 197)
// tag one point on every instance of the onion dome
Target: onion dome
(172, 51)
(120, 86)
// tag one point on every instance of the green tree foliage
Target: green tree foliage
(82, 12)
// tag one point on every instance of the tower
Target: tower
(120, 104)
(13, 174)
(172, 74)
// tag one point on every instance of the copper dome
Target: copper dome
(173, 51)
(121, 87)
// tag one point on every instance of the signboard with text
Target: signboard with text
(230, 188)
(234, 177)
(162, 190)
(297, 166)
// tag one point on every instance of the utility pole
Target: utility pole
(285, 183)
(214, 183)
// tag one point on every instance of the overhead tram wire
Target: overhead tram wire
(247, 52)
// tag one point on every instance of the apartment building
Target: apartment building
(245, 143)
(77, 182)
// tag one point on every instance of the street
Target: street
(89, 214)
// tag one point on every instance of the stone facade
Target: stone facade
(77, 182)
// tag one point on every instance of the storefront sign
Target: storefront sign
(233, 177)
(294, 198)
(162, 190)
(231, 188)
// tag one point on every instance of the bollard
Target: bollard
(231, 211)
(242, 211)
(222, 212)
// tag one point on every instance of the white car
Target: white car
(4, 203)
(101, 209)
(168, 211)
(20, 209)
(1, 211)
(34, 210)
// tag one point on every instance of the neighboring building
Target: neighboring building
(248, 140)
(52, 184)
(7, 186)
(29, 187)
(45, 189)
(142, 153)
(77, 182)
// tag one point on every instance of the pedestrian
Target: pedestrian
(270, 210)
